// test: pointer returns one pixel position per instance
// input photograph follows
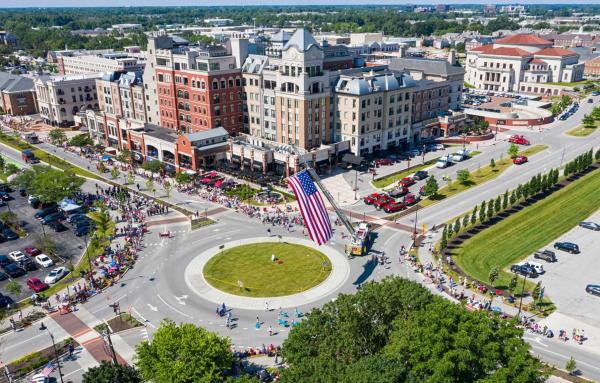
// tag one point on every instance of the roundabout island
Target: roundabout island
(269, 269)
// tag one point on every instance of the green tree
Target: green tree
(153, 166)
(114, 173)
(555, 109)
(124, 156)
(443, 243)
(466, 220)
(571, 366)
(183, 353)
(512, 285)
(167, 187)
(464, 177)
(130, 177)
(513, 197)
(513, 150)
(431, 186)
(14, 287)
(457, 226)
(2, 163)
(505, 201)
(10, 169)
(537, 291)
(588, 120)
(107, 372)
(493, 274)
(498, 204)
(519, 192)
(183, 178)
(482, 212)
(565, 101)
(49, 184)
(57, 136)
(474, 216)
(150, 184)
(81, 140)
(104, 224)
(490, 210)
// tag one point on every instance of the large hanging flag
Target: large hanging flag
(312, 207)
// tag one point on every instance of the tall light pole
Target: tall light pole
(56, 356)
(521, 297)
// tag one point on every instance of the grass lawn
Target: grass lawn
(479, 176)
(582, 130)
(529, 230)
(474, 153)
(585, 82)
(298, 269)
(388, 180)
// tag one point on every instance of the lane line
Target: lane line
(173, 308)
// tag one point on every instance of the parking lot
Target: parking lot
(566, 279)
(67, 245)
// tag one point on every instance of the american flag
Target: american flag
(312, 207)
(48, 369)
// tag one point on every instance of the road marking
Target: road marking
(25, 341)
(153, 308)
(143, 319)
(72, 372)
(173, 308)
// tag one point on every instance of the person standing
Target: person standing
(270, 331)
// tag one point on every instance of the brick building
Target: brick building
(17, 95)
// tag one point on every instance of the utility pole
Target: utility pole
(521, 297)
(56, 356)
(110, 345)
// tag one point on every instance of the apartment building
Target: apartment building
(17, 95)
(289, 94)
(373, 110)
(108, 62)
(193, 88)
(122, 94)
(60, 98)
(522, 63)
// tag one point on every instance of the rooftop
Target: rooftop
(161, 133)
(302, 40)
(438, 67)
(523, 39)
(560, 52)
(10, 83)
(207, 134)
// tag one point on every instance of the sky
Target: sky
(114, 3)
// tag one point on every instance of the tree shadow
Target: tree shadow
(368, 268)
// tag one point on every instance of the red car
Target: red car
(410, 199)
(384, 162)
(519, 160)
(36, 285)
(518, 139)
(406, 181)
(394, 207)
(32, 251)
(399, 191)
(385, 200)
(371, 198)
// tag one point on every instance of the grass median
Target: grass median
(528, 230)
(390, 179)
(479, 177)
(583, 130)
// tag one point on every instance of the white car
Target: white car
(55, 275)
(538, 267)
(17, 256)
(43, 260)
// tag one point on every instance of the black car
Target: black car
(5, 196)
(4, 260)
(81, 231)
(524, 270)
(4, 187)
(3, 276)
(22, 192)
(593, 289)
(420, 175)
(27, 265)
(57, 226)
(546, 255)
(44, 212)
(9, 234)
(569, 247)
(13, 270)
(590, 225)
(4, 301)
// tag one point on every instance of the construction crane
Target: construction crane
(360, 235)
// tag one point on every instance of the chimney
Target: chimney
(452, 56)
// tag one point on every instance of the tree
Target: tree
(512, 285)
(107, 372)
(153, 166)
(513, 197)
(397, 331)
(536, 294)
(490, 210)
(519, 192)
(443, 243)
(505, 201)
(167, 187)
(150, 184)
(57, 136)
(130, 177)
(449, 231)
(114, 173)
(457, 226)
(493, 274)
(571, 366)
(431, 187)
(492, 163)
(513, 150)
(81, 140)
(474, 215)
(482, 212)
(183, 178)
(105, 226)
(466, 220)
(49, 184)
(463, 176)
(588, 120)
(14, 288)
(2, 163)
(597, 155)
(498, 204)
(183, 353)
(124, 156)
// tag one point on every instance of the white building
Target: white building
(522, 63)
(99, 63)
(61, 97)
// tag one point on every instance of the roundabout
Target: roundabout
(248, 273)
(269, 269)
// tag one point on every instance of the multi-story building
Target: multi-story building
(512, 9)
(17, 95)
(7, 38)
(72, 62)
(122, 94)
(522, 63)
(373, 110)
(193, 88)
(60, 98)
(592, 67)
(289, 93)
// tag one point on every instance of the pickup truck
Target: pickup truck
(461, 155)
(381, 202)
(28, 156)
(443, 162)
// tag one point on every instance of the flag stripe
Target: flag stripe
(306, 213)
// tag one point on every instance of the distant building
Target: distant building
(592, 67)
(17, 95)
(7, 38)
(512, 9)
(75, 63)
(365, 38)
(475, 42)
(489, 9)
(442, 8)
(122, 28)
(573, 40)
(217, 22)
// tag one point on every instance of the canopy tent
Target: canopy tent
(352, 159)
(68, 205)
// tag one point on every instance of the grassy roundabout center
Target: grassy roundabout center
(248, 270)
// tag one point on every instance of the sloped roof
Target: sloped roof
(302, 40)
(555, 52)
(537, 61)
(503, 51)
(207, 134)
(483, 48)
(437, 67)
(10, 83)
(523, 39)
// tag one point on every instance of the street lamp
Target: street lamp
(56, 356)
(521, 297)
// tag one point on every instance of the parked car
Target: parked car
(32, 251)
(381, 202)
(371, 198)
(538, 267)
(57, 226)
(524, 270)
(518, 160)
(4, 260)
(76, 217)
(546, 255)
(420, 175)
(518, 139)
(36, 285)
(411, 199)
(398, 191)
(3, 276)
(394, 207)
(4, 301)
(53, 217)
(27, 265)
(43, 260)
(13, 270)
(443, 162)
(55, 275)
(569, 247)
(16, 255)
(406, 181)
(589, 225)
(44, 212)
(384, 162)
(461, 155)
(593, 289)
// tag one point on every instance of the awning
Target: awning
(110, 150)
(352, 159)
